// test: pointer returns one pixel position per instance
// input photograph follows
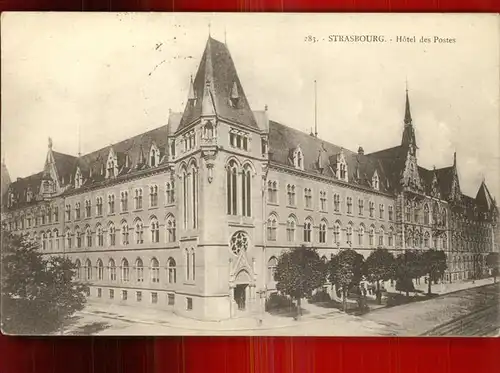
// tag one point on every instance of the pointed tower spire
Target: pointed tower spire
(454, 159)
(407, 108)
(409, 139)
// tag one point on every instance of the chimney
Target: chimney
(361, 151)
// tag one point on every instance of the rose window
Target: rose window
(239, 242)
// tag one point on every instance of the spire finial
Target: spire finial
(50, 142)
(407, 106)
(209, 26)
(454, 159)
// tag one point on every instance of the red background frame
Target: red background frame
(250, 354)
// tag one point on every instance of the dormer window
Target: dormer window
(341, 167)
(78, 178)
(29, 195)
(235, 97)
(189, 141)
(111, 165)
(208, 130)
(375, 181)
(154, 156)
(298, 158)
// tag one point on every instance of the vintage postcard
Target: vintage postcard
(250, 174)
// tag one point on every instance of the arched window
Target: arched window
(112, 233)
(272, 191)
(88, 208)
(194, 195)
(361, 234)
(139, 270)
(349, 205)
(246, 191)
(272, 224)
(185, 198)
(170, 194)
(445, 242)
(153, 196)
(290, 190)
(435, 214)
(271, 268)
(68, 238)
(88, 235)
(290, 229)
(56, 239)
(125, 270)
(435, 242)
(100, 269)
(190, 265)
(139, 232)
(232, 188)
(98, 206)
(308, 230)
(336, 232)
(88, 270)
(44, 241)
(124, 201)
(416, 215)
(155, 230)
(298, 158)
(155, 270)
(49, 240)
(416, 239)
(111, 204)
(426, 239)
(426, 214)
(170, 226)
(390, 237)
(372, 236)
(381, 237)
(78, 237)
(100, 236)
(322, 231)
(171, 271)
(138, 199)
(78, 268)
(336, 202)
(348, 233)
(408, 237)
(372, 208)
(112, 270)
(408, 212)
(444, 217)
(375, 181)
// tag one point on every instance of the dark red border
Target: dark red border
(250, 355)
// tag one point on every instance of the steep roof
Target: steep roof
(444, 178)
(484, 198)
(215, 83)
(21, 185)
(320, 156)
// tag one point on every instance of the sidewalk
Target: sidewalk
(166, 318)
(454, 286)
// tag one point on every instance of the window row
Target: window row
(338, 234)
(413, 213)
(48, 216)
(419, 239)
(125, 272)
(77, 211)
(109, 235)
(291, 200)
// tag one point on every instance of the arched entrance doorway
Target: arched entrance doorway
(241, 290)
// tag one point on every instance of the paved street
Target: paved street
(472, 311)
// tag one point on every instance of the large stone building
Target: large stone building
(192, 216)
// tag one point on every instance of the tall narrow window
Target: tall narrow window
(322, 200)
(391, 213)
(88, 208)
(336, 233)
(139, 232)
(68, 239)
(77, 210)
(349, 205)
(111, 204)
(390, 237)
(290, 190)
(155, 230)
(155, 271)
(124, 201)
(360, 206)
(408, 212)
(426, 214)
(112, 234)
(100, 270)
(246, 192)
(139, 270)
(169, 188)
(381, 237)
(290, 229)
(194, 196)
(231, 188)
(185, 199)
(308, 198)
(78, 268)
(361, 234)
(381, 211)
(138, 199)
(100, 236)
(271, 268)
(170, 225)
(307, 230)
(322, 232)
(88, 235)
(88, 270)
(171, 271)
(271, 228)
(153, 196)
(372, 236)
(68, 212)
(372, 209)
(112, 270)
(99, 206)
(336, 202)
(125, 233)
(348, 233)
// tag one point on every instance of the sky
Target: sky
(91, 79)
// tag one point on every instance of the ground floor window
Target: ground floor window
(99, 293)
(154, 297)
(124, 295)
(138, 296)
(189, 303)
(111, 294)
(171, 299)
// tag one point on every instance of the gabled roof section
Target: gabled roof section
(444, 177)
(484, 198)
(321, 156)
(64, 164)
(218, 70)
(392, 162)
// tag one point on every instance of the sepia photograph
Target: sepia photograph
(250, 174)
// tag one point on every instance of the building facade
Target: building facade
(193, 215)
